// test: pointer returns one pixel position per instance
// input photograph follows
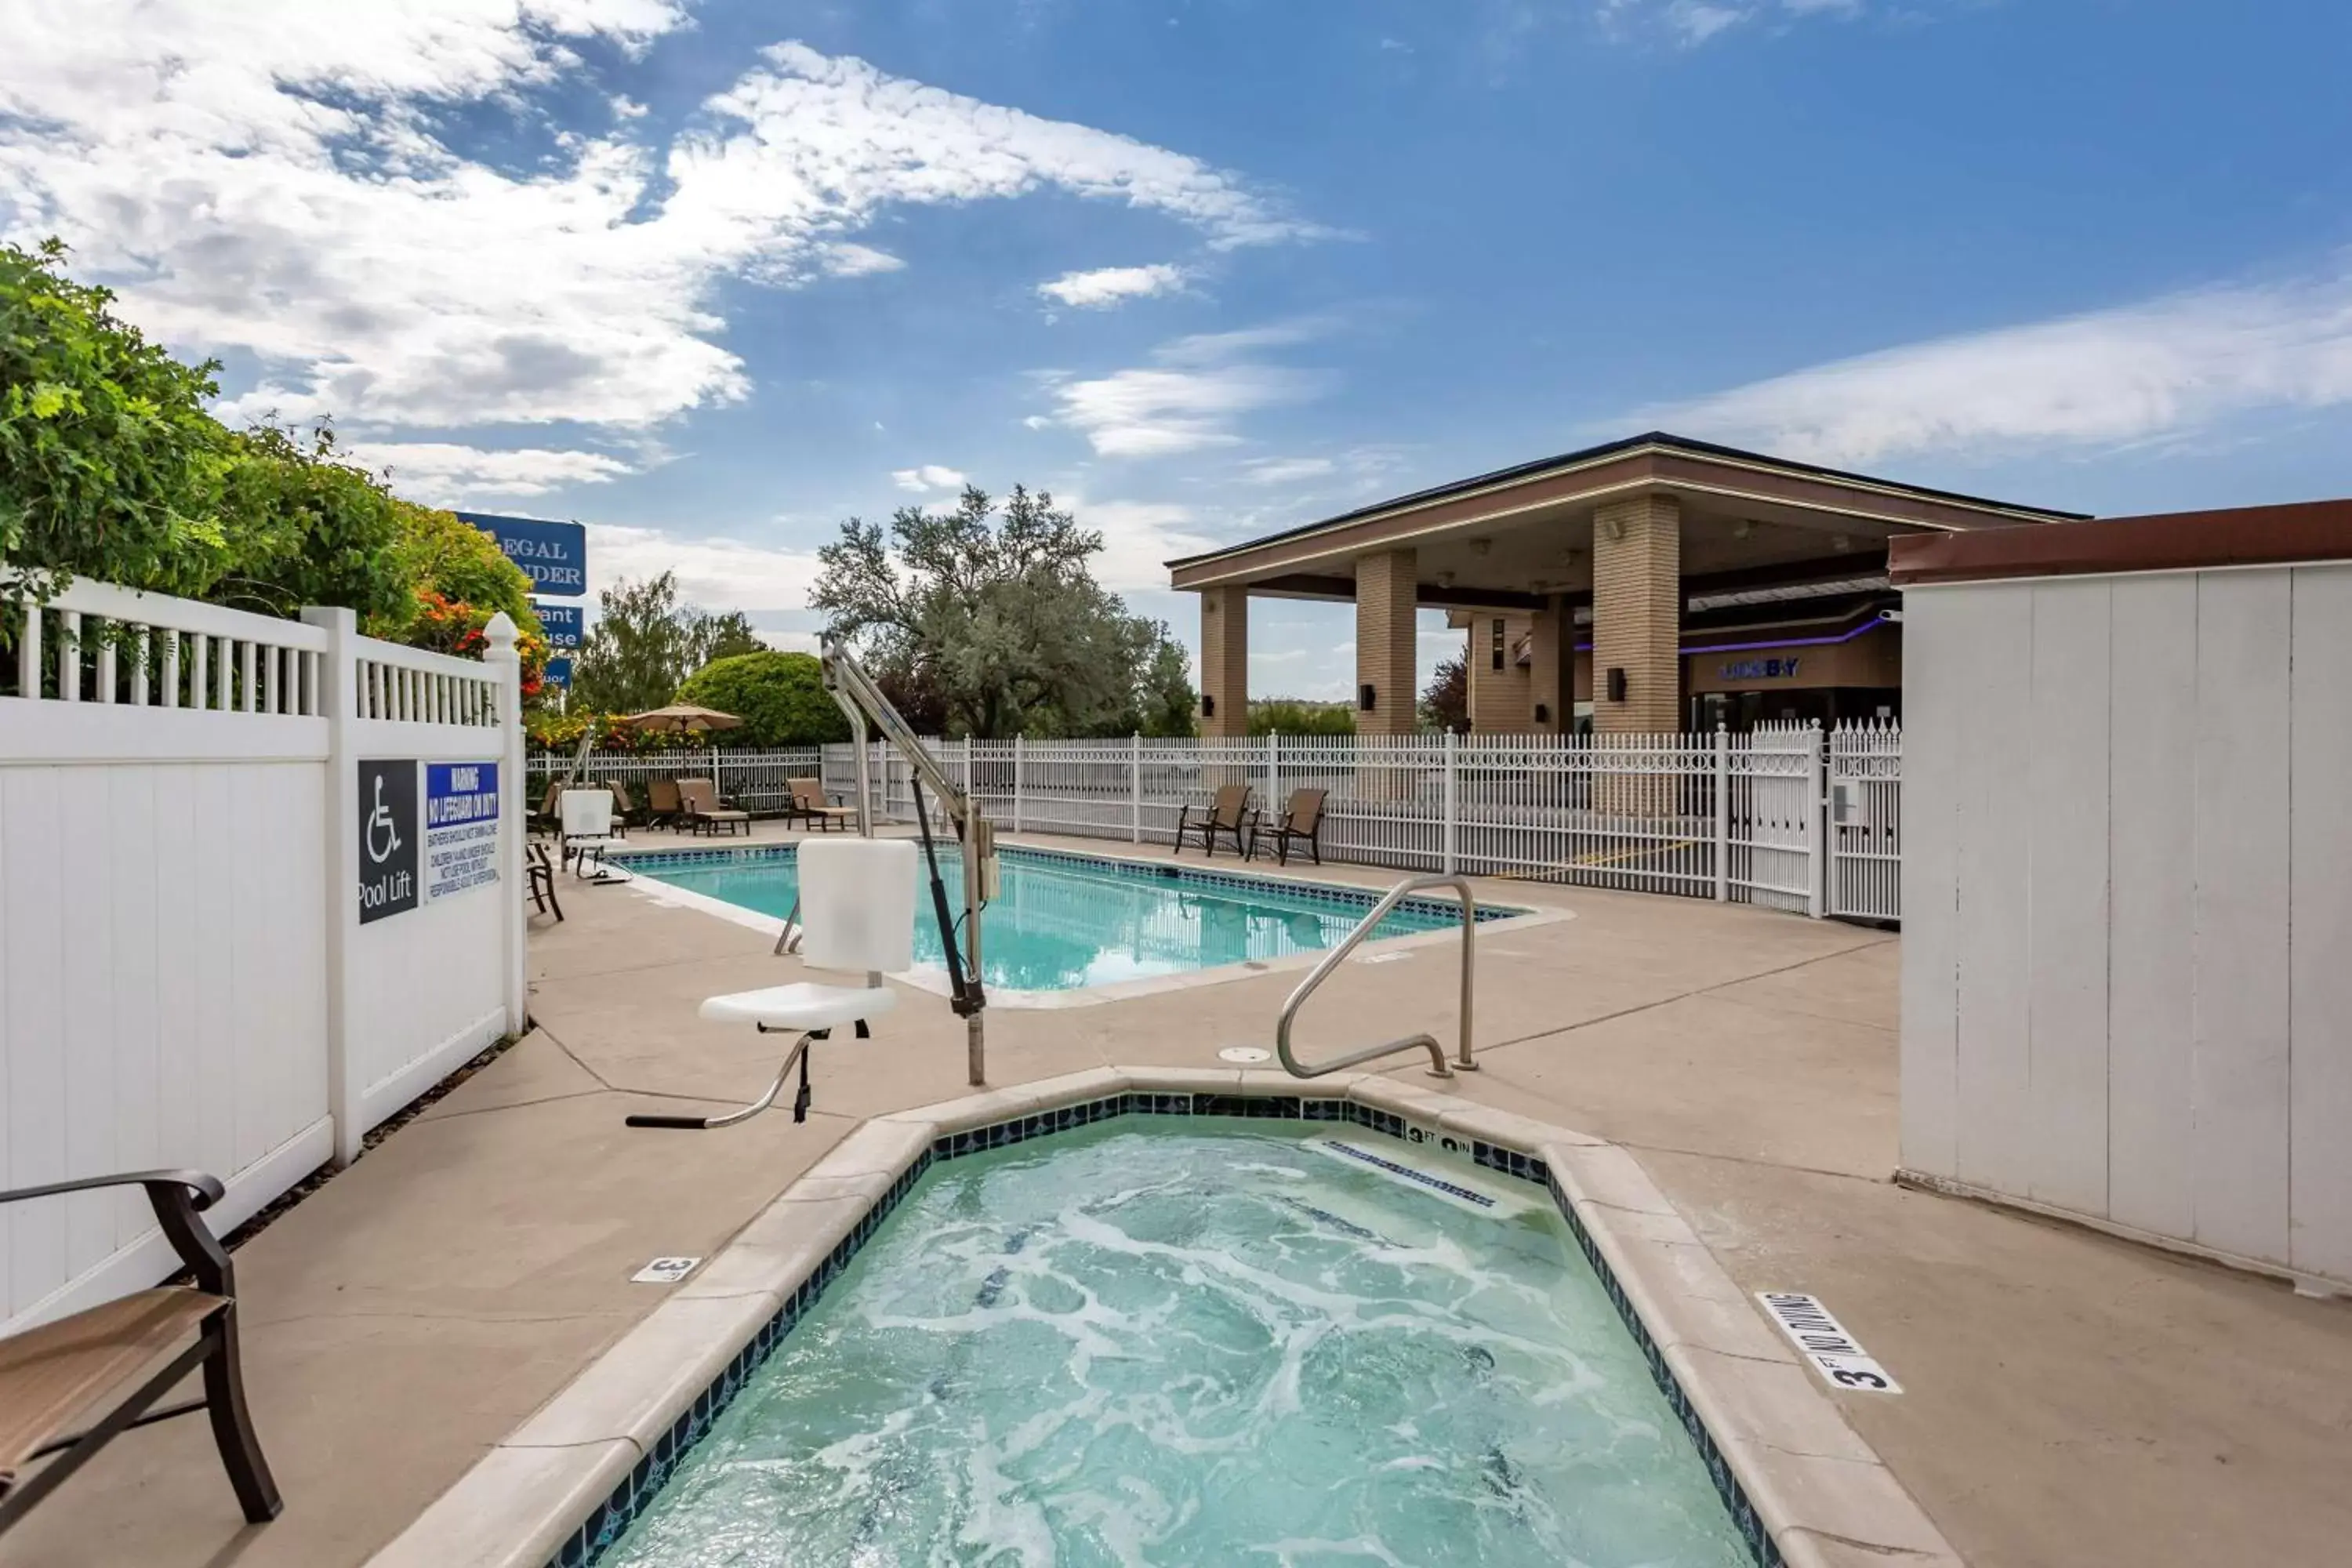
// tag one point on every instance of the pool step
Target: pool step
(1447, 1183)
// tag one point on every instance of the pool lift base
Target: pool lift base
(798, 1055)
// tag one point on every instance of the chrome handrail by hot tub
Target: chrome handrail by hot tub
(1348, 944)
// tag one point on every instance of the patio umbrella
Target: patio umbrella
(681, 717)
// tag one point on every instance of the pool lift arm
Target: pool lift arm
(858, 696)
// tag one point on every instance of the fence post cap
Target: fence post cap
(500, 632)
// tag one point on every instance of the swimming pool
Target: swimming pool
(1067, 922)
(1205, 1341)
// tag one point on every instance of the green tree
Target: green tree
(998, 618)
(435, 551)
(109, 467)
(645, 642)
(305, 527)
(1294, 716)
(780, 696)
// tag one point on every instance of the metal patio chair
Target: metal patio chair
(69, 1387)
(1228, 814)
(1301, 822)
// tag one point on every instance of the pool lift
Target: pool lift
(868, 896)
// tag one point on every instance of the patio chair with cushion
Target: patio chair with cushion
(548, 816)
(1302, 823)
(664, 809)
(808, 805)
(705, 812)
(1228, 814)
(71, 1386)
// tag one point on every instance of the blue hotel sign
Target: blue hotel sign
(561, 624)
(555, 554)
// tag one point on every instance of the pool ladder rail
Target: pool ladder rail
(1438, 1066)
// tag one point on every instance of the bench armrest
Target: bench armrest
(177, 1197)
(207, 1190)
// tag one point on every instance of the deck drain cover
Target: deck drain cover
(1245, 1054)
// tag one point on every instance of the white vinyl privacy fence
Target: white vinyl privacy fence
(1785, 816)
(195, 807)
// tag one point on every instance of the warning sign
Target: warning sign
(461, 826)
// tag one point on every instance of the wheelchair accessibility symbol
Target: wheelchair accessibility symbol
(386, 823)
(380, 819)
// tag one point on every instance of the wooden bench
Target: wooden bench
(69, 1387)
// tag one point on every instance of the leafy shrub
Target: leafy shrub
(780, 696)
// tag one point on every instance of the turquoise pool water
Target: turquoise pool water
(1160, 1343)
(1060, 922)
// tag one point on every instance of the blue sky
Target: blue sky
(712, 276)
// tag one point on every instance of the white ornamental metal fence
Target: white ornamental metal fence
(1734, 817)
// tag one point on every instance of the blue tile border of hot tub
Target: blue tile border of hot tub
(1335, 893)
(636, 1491)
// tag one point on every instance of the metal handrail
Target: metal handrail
(1348, 944)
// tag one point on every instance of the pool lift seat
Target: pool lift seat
(858, 904)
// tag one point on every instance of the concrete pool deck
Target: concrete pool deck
(2068, 1398)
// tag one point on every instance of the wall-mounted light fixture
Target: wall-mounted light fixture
(1543, 714)
(1208, 706)
(1365, 697)
(1616, 685)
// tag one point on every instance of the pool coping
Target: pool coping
(935, 980)
(1804, 1488)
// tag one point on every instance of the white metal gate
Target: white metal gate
(1865, 816)
(1775, 815)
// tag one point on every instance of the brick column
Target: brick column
(1551, 659)
(1224, 661)
(1637, 615)
(1387, 595)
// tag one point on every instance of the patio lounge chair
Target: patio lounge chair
(705, 812)
(69, 1387)
(857, 906)
(1302, 822)
(809, 805)
(624, 808)
(1227, 813)
(549, 814)
(663, 807)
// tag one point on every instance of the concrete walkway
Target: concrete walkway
(2069, 1399)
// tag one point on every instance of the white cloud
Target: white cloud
(2167, 367)
(1139, 538)
(1694, 22)
(716, 574)
(1191, 399)
(446, 474)
(1285, 470)
(1108, 286)
(929, 477)
(847, 259)
(278, 179)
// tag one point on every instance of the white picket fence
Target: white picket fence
(1744, 819)
(185, 981)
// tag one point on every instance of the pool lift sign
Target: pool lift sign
(1823, 1341)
